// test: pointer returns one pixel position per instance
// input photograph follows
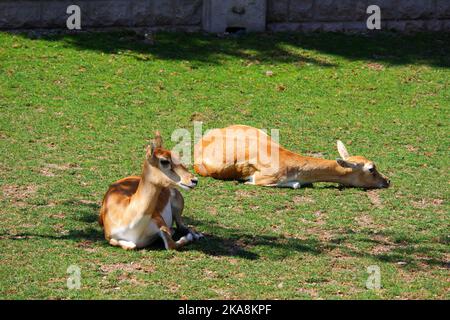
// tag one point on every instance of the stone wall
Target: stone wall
(350, 15)
(192, 15)
(167, 14)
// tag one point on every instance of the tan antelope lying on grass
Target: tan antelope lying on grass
(248, 154)
(136, 210)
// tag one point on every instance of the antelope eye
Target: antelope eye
(164, 162)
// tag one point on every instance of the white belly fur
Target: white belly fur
(144, 231)
(290, 184)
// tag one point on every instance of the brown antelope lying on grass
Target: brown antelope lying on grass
(248, 154)
(136, 210)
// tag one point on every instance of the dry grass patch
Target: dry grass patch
(425, 203)
(375, 199)
(303, 200)
(375, 66)
(19, 194)
(126, 267)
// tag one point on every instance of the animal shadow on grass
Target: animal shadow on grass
(409, 250)
(86, 212)
(224, 241)
(234, 242)
(221, 242)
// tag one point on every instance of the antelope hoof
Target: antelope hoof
(127, 245)
(196, 235)
(186, 239)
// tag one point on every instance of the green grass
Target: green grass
(77, 110)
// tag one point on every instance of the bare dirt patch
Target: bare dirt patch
(51, 169)
(59, 215)
(127, 267)
(382, 249)
(87, 245)
(130, 278)
(339, 254)
(302, 199)
(46, 172)
(283, 209)
(323, 235)
(411, 148)
(425, 203)
(375, 66)
(320, 217)
(18, 194)
(173, 287)
(374, 198)
(365, 221)
(212, 211)
(222, 293)
(197, 116)
(59, 228)
(63, 166)
(208, 274)
(313, 293)
(245, 193)
(88, 202)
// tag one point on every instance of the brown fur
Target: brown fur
(210, 160)
(130, 199)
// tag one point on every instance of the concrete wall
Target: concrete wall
(281, 15)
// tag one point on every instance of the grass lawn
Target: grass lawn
(77, 110)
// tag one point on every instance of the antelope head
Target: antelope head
(363, 172)
(166, 169)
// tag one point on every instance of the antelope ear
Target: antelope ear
(342, 150)
(150, 149)
(158, 140)
(346, 164)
